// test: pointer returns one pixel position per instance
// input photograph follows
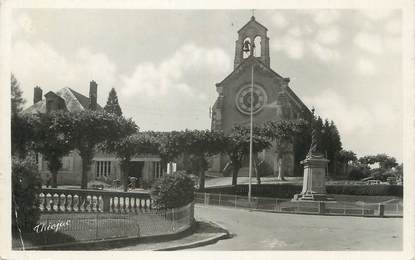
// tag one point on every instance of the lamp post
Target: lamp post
(250, 136)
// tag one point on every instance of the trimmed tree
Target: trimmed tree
(90, 128)
(200, 144)
(112, 105)
(236, 146)
(53, 140)
(130, 146)
(284, 133)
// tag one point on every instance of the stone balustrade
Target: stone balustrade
(54, 200)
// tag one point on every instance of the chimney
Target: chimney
(37, 94)
(93, 95)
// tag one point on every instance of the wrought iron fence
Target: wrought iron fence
(390, 208)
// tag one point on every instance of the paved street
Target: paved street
(273, 231)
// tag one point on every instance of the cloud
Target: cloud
(393, 27)
(279, 20)
(175, 73)
(349, 118)
(292, 46)
(325, 17)
(365, 66)
(23, 24)
(328, 36)
(324, 53)
(377, 14)
(37, 63)
(369, 42)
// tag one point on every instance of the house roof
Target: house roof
(74, 102)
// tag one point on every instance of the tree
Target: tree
(385, 161)
(236, 146)
(52, 135)
(26, 187)
(201, 144)
(17, 100)
(22, 134)
(284, 133)
(90, 128)
(196, 145)
(346, 157)
(129, 146)
(112, 105)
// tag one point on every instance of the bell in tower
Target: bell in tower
(252, 41)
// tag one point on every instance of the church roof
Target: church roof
(74, 102)
(253, 59)
(253, 21)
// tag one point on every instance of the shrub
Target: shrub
(287, 190)
(173, 191)
(26, 185)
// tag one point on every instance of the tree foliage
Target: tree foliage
(385, 161)
(53, 139)
(127, 147)
(90, 128)
(346, 157)
(17, 100)
(26, 185)
(237, 146)
(286, 133)
(22, 134)
(112, 105)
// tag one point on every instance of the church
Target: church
(273, 100)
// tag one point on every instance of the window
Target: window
(257, 50)
(246, 48)
(102, 168)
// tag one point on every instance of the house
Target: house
(105, 167)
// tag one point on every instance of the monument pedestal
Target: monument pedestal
(314, 183)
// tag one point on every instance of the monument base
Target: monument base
(314, 183)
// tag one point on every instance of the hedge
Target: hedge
(26, 186)
(287, 190)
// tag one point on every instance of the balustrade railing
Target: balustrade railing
(74, 200)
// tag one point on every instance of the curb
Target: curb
(100, 244)
(204, 242)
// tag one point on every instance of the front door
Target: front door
(136, 169)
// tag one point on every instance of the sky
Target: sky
(164, 64)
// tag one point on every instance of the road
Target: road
(255, 230)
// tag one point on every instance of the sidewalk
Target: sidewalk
(206, 233)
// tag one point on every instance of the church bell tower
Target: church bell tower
(253, 34)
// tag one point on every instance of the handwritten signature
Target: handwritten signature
(42, 227)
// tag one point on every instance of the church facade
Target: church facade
(273, 99)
